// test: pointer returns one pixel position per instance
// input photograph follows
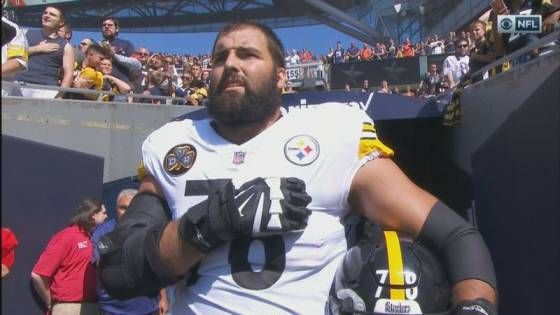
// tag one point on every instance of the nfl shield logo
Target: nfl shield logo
(238, 157)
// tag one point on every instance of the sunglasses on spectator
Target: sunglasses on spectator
(143, 54)
(84, 44)
(464, 46)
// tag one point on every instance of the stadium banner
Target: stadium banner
(394, 71)
(379, 106)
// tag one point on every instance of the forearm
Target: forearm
(12, 66)
(33, 50)
(472, 289)
(122, 86)
(42, 285)
(177, 255)
(132, 64)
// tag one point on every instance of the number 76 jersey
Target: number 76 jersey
(279, 274)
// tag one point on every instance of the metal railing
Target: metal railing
(14, 88)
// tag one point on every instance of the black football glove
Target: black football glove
(475, 307)
(272, 206)
(259, 207)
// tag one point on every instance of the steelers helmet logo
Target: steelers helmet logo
(179, 159)
(302, 150)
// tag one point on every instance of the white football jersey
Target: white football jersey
(282, 274)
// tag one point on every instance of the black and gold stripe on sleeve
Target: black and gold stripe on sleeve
(370, 144)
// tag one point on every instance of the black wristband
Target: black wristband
(479, 306)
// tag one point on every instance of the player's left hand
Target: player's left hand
(475, 307)
(273, 205)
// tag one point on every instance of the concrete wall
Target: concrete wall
(114, 131)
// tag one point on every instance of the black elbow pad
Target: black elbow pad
(459, 244)
(130, 263)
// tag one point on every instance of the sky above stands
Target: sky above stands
(317, 38)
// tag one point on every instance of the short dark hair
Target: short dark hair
(86, 208)
(459, 41)
(103, 51)
(274, 44)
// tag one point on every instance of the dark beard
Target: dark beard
(252, 107)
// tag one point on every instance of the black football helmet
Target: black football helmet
(389, 273)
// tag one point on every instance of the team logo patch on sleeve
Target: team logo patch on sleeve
(302, 150)
(179, 159)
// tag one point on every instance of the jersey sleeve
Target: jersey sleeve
(369, 144)
(149, 163)
(18, 48)
(362, 136)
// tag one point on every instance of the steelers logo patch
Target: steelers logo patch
(179, 159)
(302, 150)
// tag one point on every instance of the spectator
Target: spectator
(65, 32)
(365, 87)
(330, 56)
(155, 78)
(457, 65)
(186, 80)
(112, 83)
(366, 53)
(9, 244)
(380, 51)
(450, 43)
(90, 76)
(15, 52)
(437, 47)
(198, 93)
(408, 92)
(384, 88)
(481, 54)
(294, 58)
(338, 55)
(110, 31)
(353, 52)
(80, 52)
(48, 53)
(391, 50)
(206, 77)
(407, 48)
(197, 71)
(307, 56)
(431, 84)
(64, 276)
(134, 306)
(142, 54)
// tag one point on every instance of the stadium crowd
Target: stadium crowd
(116, 65)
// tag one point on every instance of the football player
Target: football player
(254, 195)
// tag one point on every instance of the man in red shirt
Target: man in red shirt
(64, 276)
